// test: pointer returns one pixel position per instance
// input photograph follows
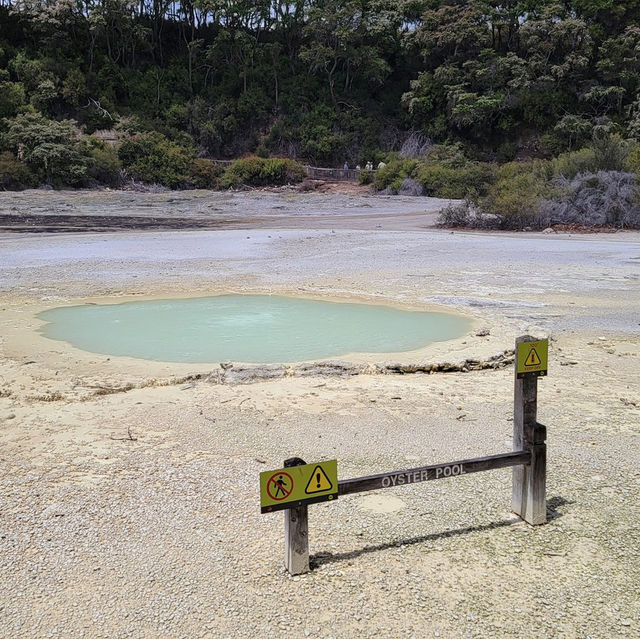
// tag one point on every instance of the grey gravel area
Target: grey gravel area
(160, 535)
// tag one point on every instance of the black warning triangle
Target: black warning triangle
(532, 358)
(318, 482)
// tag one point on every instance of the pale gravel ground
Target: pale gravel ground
(161, 536)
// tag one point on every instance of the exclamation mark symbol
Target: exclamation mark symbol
(318, 480)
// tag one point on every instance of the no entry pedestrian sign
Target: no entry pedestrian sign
(298, 485)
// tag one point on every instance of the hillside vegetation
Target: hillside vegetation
(449, 92)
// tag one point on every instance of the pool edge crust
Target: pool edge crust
(232, 373)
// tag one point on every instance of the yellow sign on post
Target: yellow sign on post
(532, 357)
(298, 485)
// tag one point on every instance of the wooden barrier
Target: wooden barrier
(319, 173)
(528, 460)
(332, 175)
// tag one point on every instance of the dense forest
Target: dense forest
(447, 92)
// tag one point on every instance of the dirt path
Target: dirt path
(342, 207)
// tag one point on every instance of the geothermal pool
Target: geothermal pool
(246, 328)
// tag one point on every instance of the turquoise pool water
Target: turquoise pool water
(245, 328)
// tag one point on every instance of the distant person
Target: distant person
(357, 167)
(346, 166)
(381, 165)
(369, 166)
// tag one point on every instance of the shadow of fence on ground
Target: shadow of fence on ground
(321, 558)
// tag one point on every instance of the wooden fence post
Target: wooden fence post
(296, 533)
(528, 498)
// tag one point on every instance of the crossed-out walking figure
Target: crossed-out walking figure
(281, 486)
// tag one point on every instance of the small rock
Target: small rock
(548, 230)
(483, 332)
(10, 416)
(54, 510)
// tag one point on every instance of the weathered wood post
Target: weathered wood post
(296, 532)
(528, 498)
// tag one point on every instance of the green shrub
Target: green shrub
(205, 173)
(14, 174)
(516, 194)
(255, 171)
(633, 160)
(104, 163)
(443, 181)
(571, 164)
(392, 175)
(605, 153)
(612, 151)
(152, 157)
(451, 155)
(365, 177)
(541, 169)
(262, 151)
(443, 172)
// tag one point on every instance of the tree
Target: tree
(50, 149)
(338, 45)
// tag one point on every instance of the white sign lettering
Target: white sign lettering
(415, 476)
(450, 471)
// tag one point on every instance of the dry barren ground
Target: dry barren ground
(129, 502)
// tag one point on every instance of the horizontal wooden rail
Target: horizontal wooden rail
(429, 473)
(318, 173)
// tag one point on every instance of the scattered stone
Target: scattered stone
(53, 510)
(483, 332)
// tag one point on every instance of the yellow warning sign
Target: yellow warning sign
(532, 357)
(298, 485)
(318, 482)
